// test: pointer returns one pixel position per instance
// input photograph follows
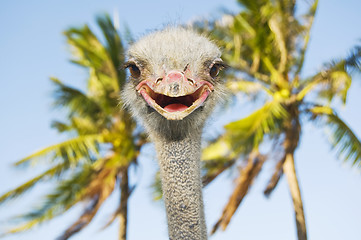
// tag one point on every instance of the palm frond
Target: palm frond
(253, 6)
(212, 169)
(251, 129)
(246, 40)
(114, 48)
(90, 52)
(79, 125)
(218, 150)
(343, 139)
(244, 135)
(61, 126)
(353, 60)
(85, 126)
(86, 184)
(98, 190)
(280, 40)
(54, 171)
(74, 100)
(276, 176)
(86, 48)
(339, 84)
(309, 18)
(70, 151)
(241, 23)
(336, 79)
(244, 182)
(67, 193)
(83, 220)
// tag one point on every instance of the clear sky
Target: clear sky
(32, 48)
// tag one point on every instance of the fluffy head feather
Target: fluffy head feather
(172, 49)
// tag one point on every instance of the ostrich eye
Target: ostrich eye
(134, 70)
(213, 72)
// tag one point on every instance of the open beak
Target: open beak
(174, 98)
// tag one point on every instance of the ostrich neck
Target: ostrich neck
(179, 162)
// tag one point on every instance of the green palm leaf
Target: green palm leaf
(79, 125)
(353, 61)
(70, 151)
(243, 135)
(309, 17)
(91, 182)
(347, 145)
(218, 150)
(335, 80)
(89, 52)
(211, 169)
(61, 126)
(114, 48)
(251, 129)
(54, 171)
(331, 83)
(74, 100)
(64, 196)
(86, 48)
(240, 138)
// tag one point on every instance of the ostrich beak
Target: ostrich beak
(174, 96)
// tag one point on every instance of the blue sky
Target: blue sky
(32, 49)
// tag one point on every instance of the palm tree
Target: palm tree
(265, 46)
(105, 141)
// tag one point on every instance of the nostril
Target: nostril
(191, 81)
(159, 80)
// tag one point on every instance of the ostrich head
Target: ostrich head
(173, 81)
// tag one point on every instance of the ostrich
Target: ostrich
(172, 89)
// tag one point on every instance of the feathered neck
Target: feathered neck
(179, 162)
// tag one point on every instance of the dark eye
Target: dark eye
(134, 70)
(213, 72)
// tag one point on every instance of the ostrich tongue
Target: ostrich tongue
(175, 107)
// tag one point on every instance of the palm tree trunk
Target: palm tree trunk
(290, 172)
(123, 209)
